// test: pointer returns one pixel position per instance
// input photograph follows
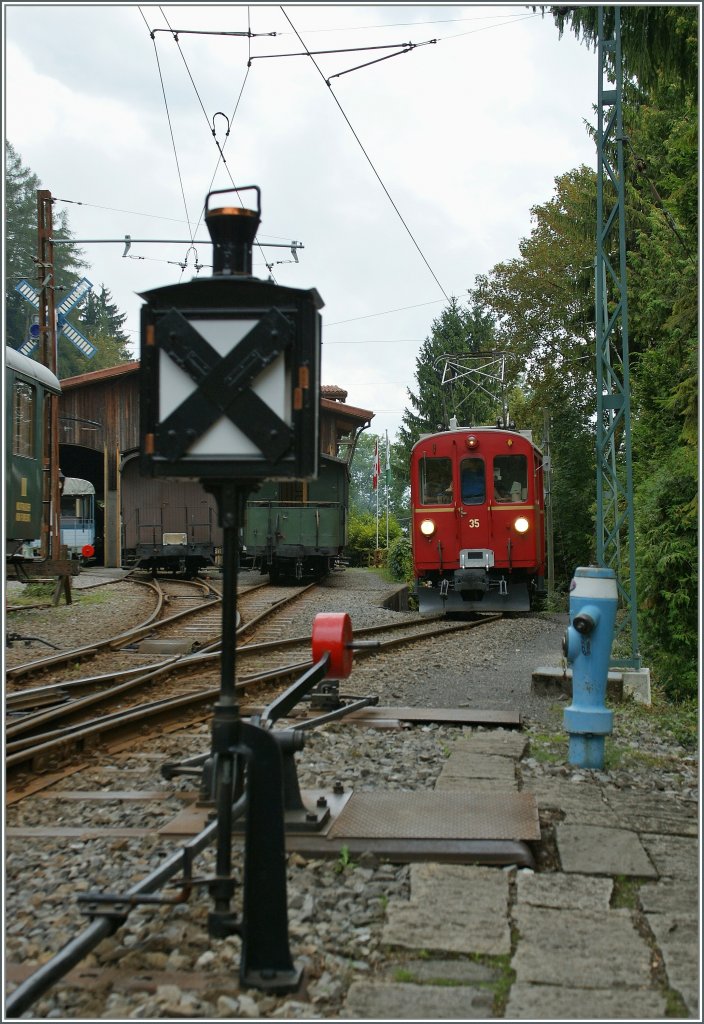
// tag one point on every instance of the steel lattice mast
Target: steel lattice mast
(615, 526)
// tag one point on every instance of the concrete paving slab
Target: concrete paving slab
(563, 892)
(648, 812)
(557, 1002)
(668, 896)
(580, 802)
(677, 935)
(377, 1001)
(454, 908)
(673, 856)
(470, 765)
(594, 850)
(499, 741)
(559, 947)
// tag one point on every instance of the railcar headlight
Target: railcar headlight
(522, 525)
(427, 527)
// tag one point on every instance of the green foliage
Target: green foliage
(344, 861)
(544, 299)
(681, 721)
(459, 331)
(545, 304)
(666, 525)
(400, 560)
(362, 535)
(363, 496)
(659, 43)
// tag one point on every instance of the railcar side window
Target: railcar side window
(435, 481)
(472, 479)
(23, 426)
(510, 478)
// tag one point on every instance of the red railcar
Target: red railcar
(478, 532)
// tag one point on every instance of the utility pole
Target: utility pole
(46, 275)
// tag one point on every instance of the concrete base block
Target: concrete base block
(550, 679)
(636, 684)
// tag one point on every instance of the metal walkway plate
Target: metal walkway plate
(460, 716)
(438, 815)
(450, 827)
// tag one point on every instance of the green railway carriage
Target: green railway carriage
(298, 530)
(27, 387)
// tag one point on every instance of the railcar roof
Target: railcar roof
(528, 434)
(74, 485)
(31, 368)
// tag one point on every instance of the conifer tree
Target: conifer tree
(21, 187)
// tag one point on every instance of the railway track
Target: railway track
(161, 619)
(53, 716)
(84, 715)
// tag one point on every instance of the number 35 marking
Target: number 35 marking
(473, 524)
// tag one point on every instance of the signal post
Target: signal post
(229, 388)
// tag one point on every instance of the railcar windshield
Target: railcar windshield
(472, 480)
(510, 478)
(435, 481)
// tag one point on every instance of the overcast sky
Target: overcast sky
(462, 134)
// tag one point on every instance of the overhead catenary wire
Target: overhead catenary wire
(139, 213)
(369, 160)
(211, 128)
(418, 24)
(400, 49)
(168, 117)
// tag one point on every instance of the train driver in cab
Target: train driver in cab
(472, 476)
(501, 492)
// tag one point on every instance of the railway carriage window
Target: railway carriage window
(472, 477)
(510, 478)
(435, 481)
(23, 415)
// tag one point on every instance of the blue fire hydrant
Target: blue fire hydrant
(587, 646)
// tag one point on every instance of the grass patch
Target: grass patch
(675, 1005)
(404, 976)
(502, 986)
(673, 722)
(624, 895)
(32, 593)
(549, 748)
(344, 861)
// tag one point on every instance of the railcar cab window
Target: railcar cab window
(510, 478)
(435, 481)
(23, 426)
(472, 478)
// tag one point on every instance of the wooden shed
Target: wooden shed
(99, 441)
